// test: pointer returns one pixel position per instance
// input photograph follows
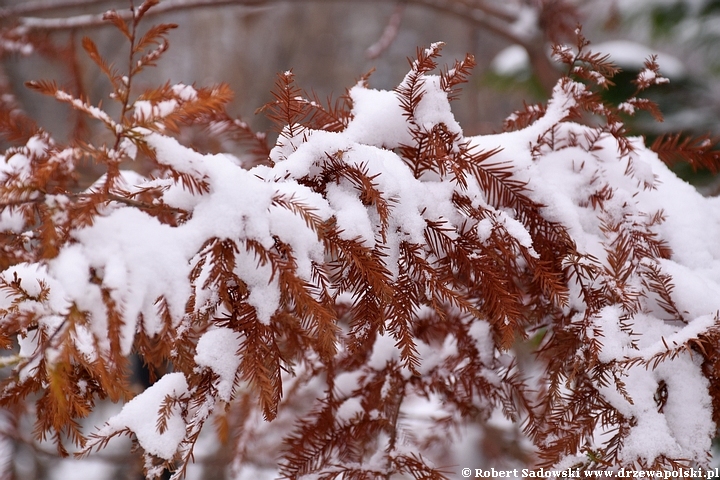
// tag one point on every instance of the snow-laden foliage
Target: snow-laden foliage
(371, 292)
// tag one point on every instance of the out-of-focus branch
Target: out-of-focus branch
(505, 24)
(500, 10)
(44, 6)
(389, 33)
(483, 14)
(493, 17)
(96, 19)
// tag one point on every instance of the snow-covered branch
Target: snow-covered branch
(351, 299)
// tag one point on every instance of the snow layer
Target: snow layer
(216, 350)
(562, 179)
(143, 417)
(140, 260)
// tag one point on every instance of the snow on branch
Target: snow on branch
(375, 265)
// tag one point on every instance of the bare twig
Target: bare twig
(108, 197)
(44, 6)
(9, 360)
(389, 33)
(479, 13)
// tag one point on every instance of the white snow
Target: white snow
(184, 92)
(511, 61)
(217, 350)
(562, 179)
(349, 409)
(377, 119)
(434, 108)
(141, 416)
(139, 260)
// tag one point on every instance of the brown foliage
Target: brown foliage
(315, 368)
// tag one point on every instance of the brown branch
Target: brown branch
(108, 197)
(44, 6)
(144, 205)
(388, 35)
(92, 20)
(494, 11)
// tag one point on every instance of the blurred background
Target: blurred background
(329, 45)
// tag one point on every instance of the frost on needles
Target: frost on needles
(322, 304)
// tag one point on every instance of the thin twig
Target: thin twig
(44, 6)
(143, 205)
(389, 33)
(478, 13)
(106, 197)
